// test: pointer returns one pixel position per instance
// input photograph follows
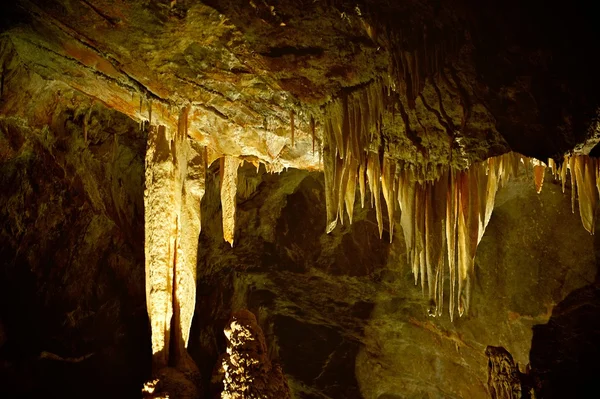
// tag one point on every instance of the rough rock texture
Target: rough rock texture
(504, 381)
(246, 370)
(341, 311)
(469, 81)
(71, 252)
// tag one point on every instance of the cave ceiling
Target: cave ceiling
(463, 81)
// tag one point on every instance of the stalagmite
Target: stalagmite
(174, 188)
(229, 173)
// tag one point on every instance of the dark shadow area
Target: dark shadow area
(565, 351)
(72, 299)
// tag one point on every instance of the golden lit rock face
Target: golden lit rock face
(247, 371)
(175, 175)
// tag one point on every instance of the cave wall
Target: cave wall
(72, 297)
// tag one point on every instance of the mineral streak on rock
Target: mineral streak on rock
(174, 188)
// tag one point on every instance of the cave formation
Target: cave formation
(298, 199)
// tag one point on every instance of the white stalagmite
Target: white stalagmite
(229, 173)
(175, 179)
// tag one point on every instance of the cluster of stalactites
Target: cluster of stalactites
(443, 220)
(584, 175)
(352, 124)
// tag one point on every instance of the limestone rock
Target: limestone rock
(248, 373)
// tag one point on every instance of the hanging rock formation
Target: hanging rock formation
(228, 173)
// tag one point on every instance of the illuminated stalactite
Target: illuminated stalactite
(229, 172)
(175, 178)
(584, 174)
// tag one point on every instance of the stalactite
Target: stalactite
(573, 183)
(443, 219)
(387, 184)
(538, 175)
(552, 166)
(563, 172)
(361, 183)
(443, 222)
(373, 177)
(344, 168)
(329, 160)
(350, 194)
(451, 231)
(586, 171)
(229, 173)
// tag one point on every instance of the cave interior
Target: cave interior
(299, 199)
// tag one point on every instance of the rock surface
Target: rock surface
(246, 370)
(71, 253)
